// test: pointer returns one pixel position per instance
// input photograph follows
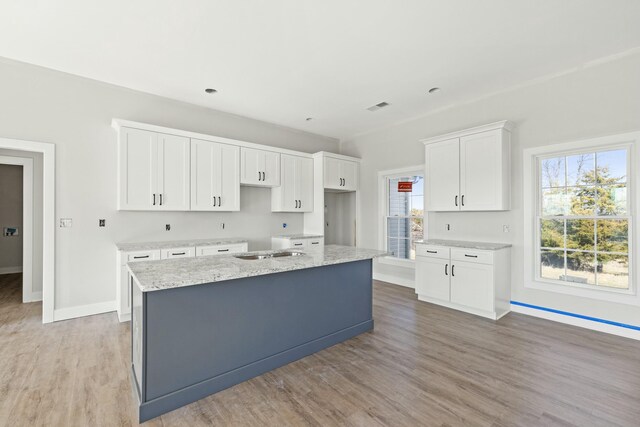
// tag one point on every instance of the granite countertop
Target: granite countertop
(462, 244)
(147, 246)
(299, 236)
(175, 273)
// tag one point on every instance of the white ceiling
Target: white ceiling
(284, 60)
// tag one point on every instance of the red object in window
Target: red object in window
(405, 187)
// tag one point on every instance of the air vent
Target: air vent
(378, 106)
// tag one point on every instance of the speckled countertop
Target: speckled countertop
(175, 273)
(462, 244)
(299, 236)
(148, 246)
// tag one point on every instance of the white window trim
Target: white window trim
(530, 204)
(382, 213)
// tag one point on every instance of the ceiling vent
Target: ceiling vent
(378, 106)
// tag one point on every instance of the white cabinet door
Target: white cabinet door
(442, 169)
(138, 169)
(432, 277)
(215, 176)
(332, 173)
(295, 193)
(173, 173)
(304, 184)
(259, 167)
(349, 174)
(481, 172)
(271, 175)
(472, 285)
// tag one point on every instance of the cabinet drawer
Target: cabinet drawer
(185, 252)
(315, 243)
(299, 243)
(472, 255)
(138, 256)
(221, 249)
(432, 251)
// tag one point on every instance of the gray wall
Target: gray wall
(10, 216)
(75, 113)
(599, 100)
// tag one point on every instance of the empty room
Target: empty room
(320, 213)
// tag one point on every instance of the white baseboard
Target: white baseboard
(575, 321)
(83, 310)
(32, 297)
(11, 270)
(394, 280)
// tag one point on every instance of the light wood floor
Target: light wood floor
(423, 365)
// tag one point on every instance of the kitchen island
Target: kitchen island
(200, 325)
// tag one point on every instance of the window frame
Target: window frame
(532, 212)
(383, 211)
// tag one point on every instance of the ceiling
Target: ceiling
(282, 61)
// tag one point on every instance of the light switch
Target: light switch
(66, 222)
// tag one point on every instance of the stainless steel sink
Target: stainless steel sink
(265, 256)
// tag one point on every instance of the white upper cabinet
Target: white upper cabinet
(153, 171)
(215, 176)
(340, 174)
(442, 175)
(259, 167)
(295, 193)
(469, 170)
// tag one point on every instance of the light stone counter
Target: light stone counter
(175, 273)
(148, 246)
(299, 236)
(462, 244)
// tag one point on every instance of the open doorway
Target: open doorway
(16, 227)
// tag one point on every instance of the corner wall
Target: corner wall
(600, 100)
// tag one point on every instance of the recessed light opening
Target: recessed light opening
(209, 90)
(434, 90)
(309, 119)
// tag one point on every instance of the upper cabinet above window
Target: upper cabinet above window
(469, 170)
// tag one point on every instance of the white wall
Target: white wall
(75, 113)
(599, 100)
(10, 216)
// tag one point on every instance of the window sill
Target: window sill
(406, 263)
(626, 296)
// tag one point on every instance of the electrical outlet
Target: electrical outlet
(284, 225)
(506, 228)
(102, 222)
(66, 222)
(168, 227)
(222, 225)
(448, 227)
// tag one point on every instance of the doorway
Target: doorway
(16, 223)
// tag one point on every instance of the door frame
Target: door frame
(48, 151)
(27, 224)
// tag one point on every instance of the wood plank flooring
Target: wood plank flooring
(423, 365)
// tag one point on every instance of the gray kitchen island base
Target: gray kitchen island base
(190, 342)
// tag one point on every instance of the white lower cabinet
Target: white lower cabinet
(297, 243)
(471, 280)
(123, 285)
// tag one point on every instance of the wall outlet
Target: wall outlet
(66, 222)
(447, 227)
(222, 225)
(506, 228)
(284, 225)
(102, 222)
(167, 227)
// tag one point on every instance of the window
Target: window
(583, 219)
(404, 211)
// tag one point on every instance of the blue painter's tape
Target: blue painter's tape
(579, 316)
